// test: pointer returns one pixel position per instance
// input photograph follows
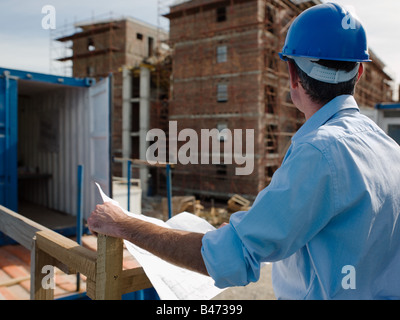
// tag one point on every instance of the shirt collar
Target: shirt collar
(325, 113)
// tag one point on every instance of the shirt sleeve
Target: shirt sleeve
(296, 205)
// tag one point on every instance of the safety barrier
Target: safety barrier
(106, 279)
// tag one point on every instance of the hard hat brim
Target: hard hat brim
(284, 57)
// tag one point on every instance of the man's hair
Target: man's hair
(321, 92)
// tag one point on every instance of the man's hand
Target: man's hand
(179, 247)
(107, 219)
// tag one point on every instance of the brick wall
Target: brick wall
(197, 73)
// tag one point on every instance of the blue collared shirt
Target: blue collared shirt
(329, 220)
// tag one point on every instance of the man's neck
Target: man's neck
(309, 107)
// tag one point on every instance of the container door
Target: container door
(99, 136)
(8, 143)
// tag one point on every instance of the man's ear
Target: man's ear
(294, 77)
(360, 71)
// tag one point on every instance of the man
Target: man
(330, 217)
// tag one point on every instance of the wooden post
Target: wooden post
(42, 279)
(108, 268)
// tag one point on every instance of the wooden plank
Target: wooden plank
(40, 289)
(179, 204)
(18, 227)
(108, 268)
(91, 288)
(134, 280)
(15, 281)
(140, 162)
(68, 252)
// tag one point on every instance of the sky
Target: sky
(26, 45)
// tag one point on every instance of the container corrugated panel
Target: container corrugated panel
(58, 116)
(60, 127)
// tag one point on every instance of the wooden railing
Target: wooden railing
(106, 279)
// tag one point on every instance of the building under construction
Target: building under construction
(227, 74)
(222, 72)
(132, 51)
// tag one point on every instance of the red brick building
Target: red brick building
(227, 74)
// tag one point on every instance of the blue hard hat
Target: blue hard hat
(328, 32)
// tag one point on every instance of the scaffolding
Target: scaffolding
(88, 40)
(282, 118)
(60, 49)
